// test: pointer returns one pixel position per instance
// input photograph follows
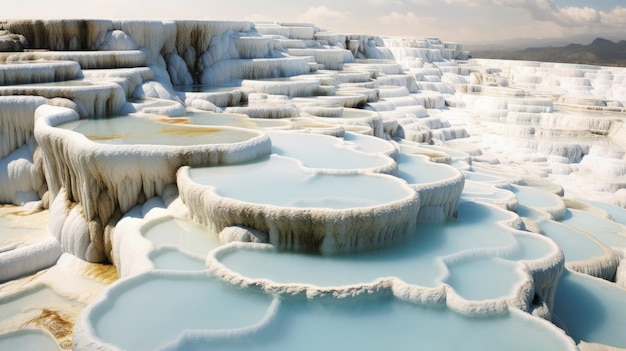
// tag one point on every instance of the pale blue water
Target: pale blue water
(368, 143)
(271, 123)
(417, 261)
(172, 259)
(416, 169)
(535, 215)
(257, 182)
(575, 245)
(32, 299)
(325, 152)
(537, 198)
(152, 310)
(207, 118)
(592, 309)
(389, 324)
(28, 340)
(609, 232)
(184, 235)
(136, 130)
(454, 154)
(618, 213)
(482, 279)
(478, 191)
(484, 178)
(532, 247)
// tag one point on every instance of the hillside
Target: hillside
(599, 52)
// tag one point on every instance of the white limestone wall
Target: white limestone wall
(224, 70)
(303, 229)
(98, 183)
(21, 176)
(86, 59)
(92, 98)
(439, 201)
(14, 71)
(58, 34)
(16, 121)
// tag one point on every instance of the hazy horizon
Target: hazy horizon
(465, 21)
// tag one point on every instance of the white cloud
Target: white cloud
(409, 23)
(573, 16)
(470, 3)
(616, 17)
(322, 15)
(385, 2)
(578, 15)
(395, 17)
(548, 11)
(257, 17)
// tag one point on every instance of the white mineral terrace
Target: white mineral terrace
(313, 210)
(190, 185)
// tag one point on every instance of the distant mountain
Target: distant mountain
(523, 43)
(600, 51)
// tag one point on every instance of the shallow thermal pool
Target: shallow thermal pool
(184, 235)
(370, 144)
(607, 231)
(618, 213)
(592, 309)
(486, 179)
(17, 228)
(158, 308)
(172, 311)
(418, 169)
(536, 198)
(477, 191)
(28, 340)
(481, 279)
(273, 123)
(180, 244)
(32, 299)
(172, 259)
(474, 240)
(137, 130)
(256, 183)
(389, 324)
(207, 118)
(576, 246)
(327, 152)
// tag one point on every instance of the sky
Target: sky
(465, 21)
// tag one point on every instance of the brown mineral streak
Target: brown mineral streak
(105, 137)
(189, 131)
(60, 327)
